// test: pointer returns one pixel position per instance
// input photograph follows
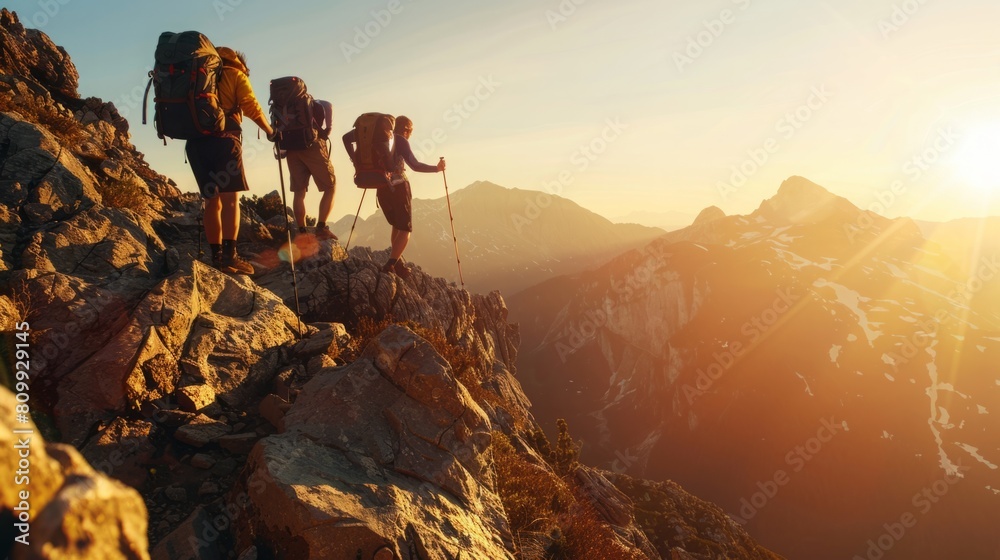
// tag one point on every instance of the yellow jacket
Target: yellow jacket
(236, 96)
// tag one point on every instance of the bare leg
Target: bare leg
(399, 240)
(213, 220)
(325, 205)
(230, 215)
(299, 207)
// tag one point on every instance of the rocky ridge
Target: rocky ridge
(376, 427)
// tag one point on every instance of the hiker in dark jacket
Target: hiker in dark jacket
(217, 163)
(396, 199)
(314, 162)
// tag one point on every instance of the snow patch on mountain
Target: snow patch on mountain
(852, 300)
(804, 380)
(938, 416)
(974, 452)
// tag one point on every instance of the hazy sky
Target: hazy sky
(620, 106)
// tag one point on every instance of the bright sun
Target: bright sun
(976, 159)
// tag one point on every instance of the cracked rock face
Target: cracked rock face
(366, 448)
(198, 325)
(29, 52)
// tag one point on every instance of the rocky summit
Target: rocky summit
(177, 412)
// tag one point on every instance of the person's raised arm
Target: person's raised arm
(404, 150)
(248, 104)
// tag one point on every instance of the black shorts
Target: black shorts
(217, 163)
(395, 201)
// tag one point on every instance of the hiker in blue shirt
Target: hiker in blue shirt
(395, 198)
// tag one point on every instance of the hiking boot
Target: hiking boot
(401, 270)
(323, 233)
(397, 268)
(235, 265)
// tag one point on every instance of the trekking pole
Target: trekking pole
(363, 193)
(288, 233)
(458, 259)
(201, 229)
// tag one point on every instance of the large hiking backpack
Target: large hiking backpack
(292, 114)
(374, 136)
(185, 79)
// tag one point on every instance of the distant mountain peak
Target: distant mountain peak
(709, 214)
(484, 185)
(800, 200)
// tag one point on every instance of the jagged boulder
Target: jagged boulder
(615, 508)
(10, 224)
(29, 52)
(68, 510)
(9, 315)
(197, 326)
(40, 177)
(388, 451)
(333, 288)
(99, 244)
(122, 450)
(680, 525)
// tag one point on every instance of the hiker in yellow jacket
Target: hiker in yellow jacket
(217, 162)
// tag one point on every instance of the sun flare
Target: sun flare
(976, 159)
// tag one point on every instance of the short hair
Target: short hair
(401, 123)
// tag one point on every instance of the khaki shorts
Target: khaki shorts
(313, 162)
(396, 203)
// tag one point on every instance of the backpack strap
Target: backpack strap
(145, 96)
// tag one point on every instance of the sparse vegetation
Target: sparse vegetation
(23, 301)
(34, 109)
(549, 515)
(532, 496)
(127, 195)
(567, 451)
(564, 458)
